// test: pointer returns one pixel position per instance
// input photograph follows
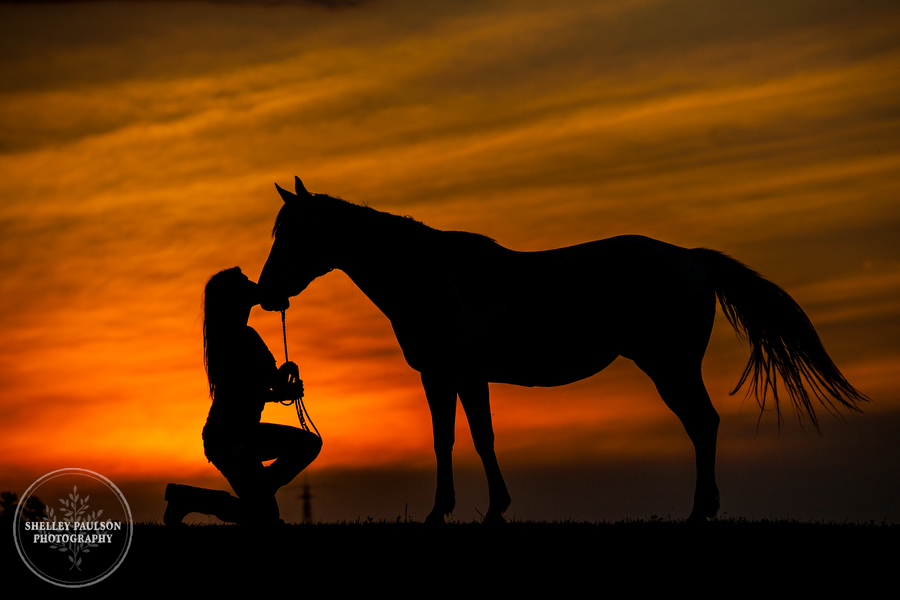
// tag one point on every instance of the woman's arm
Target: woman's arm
(276, 384)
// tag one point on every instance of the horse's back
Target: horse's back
(556, 316)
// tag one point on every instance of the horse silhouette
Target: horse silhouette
(467, 311)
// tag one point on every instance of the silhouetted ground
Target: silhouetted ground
(524, 558)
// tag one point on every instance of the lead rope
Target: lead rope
(284, 335)
(302, 413)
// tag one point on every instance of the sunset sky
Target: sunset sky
(139, 145)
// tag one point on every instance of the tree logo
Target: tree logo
(80, 539)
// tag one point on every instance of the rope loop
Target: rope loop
(302, 413)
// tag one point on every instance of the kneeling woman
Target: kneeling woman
(242, 378)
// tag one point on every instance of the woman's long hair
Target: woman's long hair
(222, 314)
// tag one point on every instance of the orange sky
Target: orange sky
(139, 144)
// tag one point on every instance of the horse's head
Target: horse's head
(298, 253)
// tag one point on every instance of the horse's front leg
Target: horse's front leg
(441, 397)
(475, 398)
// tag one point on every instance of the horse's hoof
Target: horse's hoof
(493, 520)
(700, 520)
(435, 520)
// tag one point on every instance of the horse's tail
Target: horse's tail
(782, 339)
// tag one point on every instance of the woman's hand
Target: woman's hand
(293, 390)
(290, 385)
(289, 371)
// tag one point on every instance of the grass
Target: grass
(414, 559)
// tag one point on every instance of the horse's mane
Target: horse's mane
(389, 222)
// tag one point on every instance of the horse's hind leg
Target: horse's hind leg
(442, 402)
(683, 391)
(475, 398)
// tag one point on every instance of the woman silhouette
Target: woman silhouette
(242, 378)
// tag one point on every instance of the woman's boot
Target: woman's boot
(185, 499)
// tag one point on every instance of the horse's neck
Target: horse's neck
(385, 256)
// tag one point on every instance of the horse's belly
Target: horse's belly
(552, 371)
(546, 352)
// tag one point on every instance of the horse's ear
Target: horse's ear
(298, 187)
(285, 195)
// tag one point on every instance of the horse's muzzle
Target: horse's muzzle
(275, 304)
